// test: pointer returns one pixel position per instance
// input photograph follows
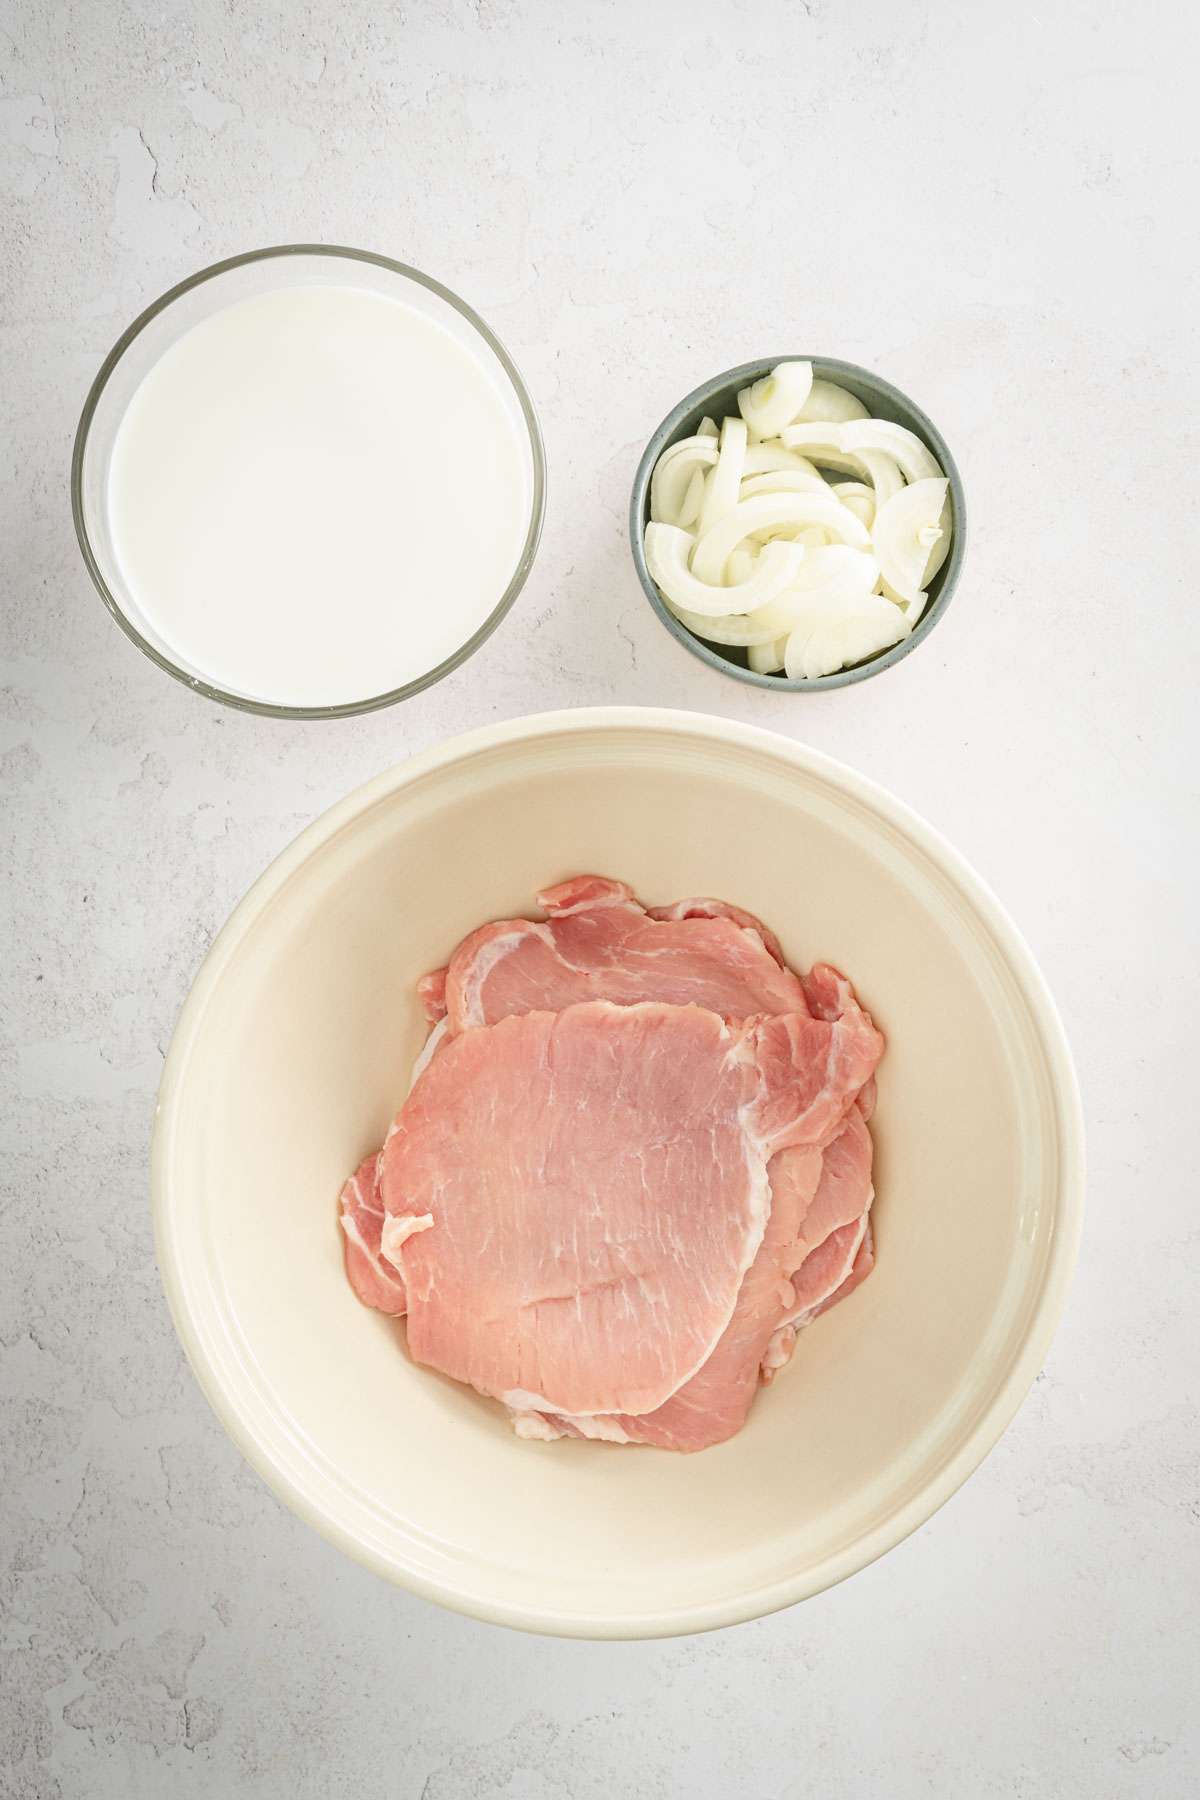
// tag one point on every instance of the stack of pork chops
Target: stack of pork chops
(634, 1162)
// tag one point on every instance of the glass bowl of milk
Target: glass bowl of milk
(308, 481)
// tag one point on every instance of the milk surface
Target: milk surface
(317, 495)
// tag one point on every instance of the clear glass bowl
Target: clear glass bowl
(198, 298)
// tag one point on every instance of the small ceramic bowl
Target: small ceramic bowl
(718, 398)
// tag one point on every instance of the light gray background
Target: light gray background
(995, 207)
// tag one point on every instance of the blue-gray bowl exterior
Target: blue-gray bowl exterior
(718, 398)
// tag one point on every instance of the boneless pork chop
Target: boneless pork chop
(613, 1210)
(818, 1222)
(377, 1282)
(599, 943)
(574, 1198)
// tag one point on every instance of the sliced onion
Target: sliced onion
(769, 512)
(833, 576)
(941, 549)
(883, 472)
(822, 444)
(693, 500)
(767, 659)
(774, 401)
(781, 613)
(897, 441)
(765, 459)
(813, 537)
(746, 630)
(667, 552)
(859, 496)
(753, 544)
(722, 485)
(907, 529)
(784, 481)
(828, 638)
(673, 474)
(740, 566)
(828, 401)
(912, 609)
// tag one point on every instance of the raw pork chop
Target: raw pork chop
(843, 1195)
(573, 1198)
(716, 909)
(377, 1282)
(714, 1403)
(842, 1198)
(599, 943)
(818, 1220)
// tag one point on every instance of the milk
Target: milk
(318, 494)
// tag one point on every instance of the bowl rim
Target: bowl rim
(825, 368)
(348, 708)
(1046, 1308)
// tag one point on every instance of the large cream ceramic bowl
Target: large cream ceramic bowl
(293, 1051)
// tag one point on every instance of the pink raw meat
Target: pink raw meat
(376, 1282)
(856, 1266)
(595, 1183)
(835, 1240)
(431, 990)
(714, 1403)
(599, 943)
(816, 1229)
(815, 1247)
(864, 1262)
(844, 1193)
(810, 1066)
(721, 909)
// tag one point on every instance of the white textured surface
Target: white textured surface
(993, 208)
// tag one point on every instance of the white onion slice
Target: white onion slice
(883, 472)
(693, 500)
(673, 474)
(822, 444)
(828, 638)
(740, 566)
(897, 441)
(784, 481)
(859, 496)
(906, 531)
(748, 630)
(767, 659)
(828, 401)
(769, 512)
(667, 551)
(912, 609)
(813, 537)
(781, 613)
(722, 485)
(810, 439)
(941, 549)
(833, 576)
(774, 401)
(707, 428)
(765, 459)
